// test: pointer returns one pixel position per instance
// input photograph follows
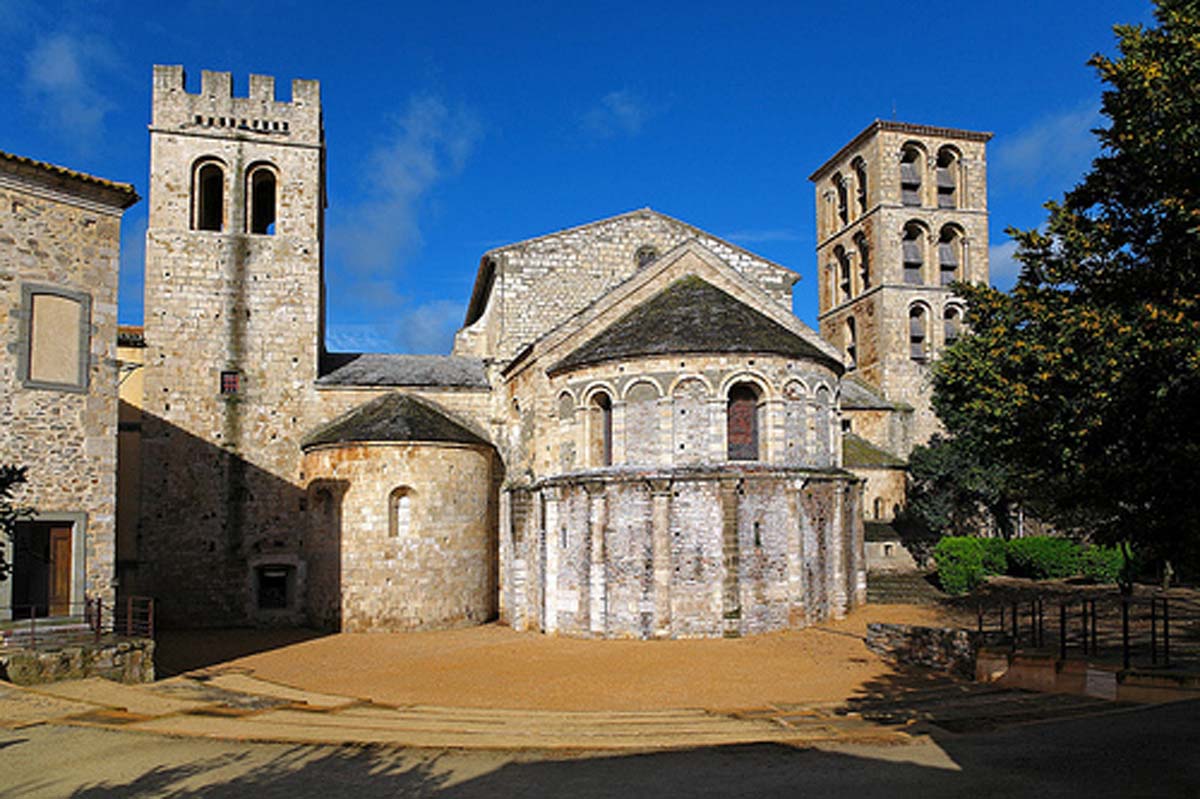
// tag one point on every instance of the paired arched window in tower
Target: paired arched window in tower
(741, 422)
(951, 324)
(911, 168)
(839, 187)
(208, 197)
(864, 260)
(860, 184)
(918, 332)
(948, 162)
(261, 184)
(950, 252)
(843, 270)
(913, 247)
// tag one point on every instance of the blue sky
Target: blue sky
(455, 127)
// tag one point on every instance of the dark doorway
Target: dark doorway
(41, 569)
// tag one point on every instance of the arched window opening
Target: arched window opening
(261, 212)
(645, 255)
(878, 507)
(843, 267)
(208, 197)
(913, 247)
(400, 512)
(910, 175)
(864, 260)
(952, 325)
(741, 422)
(860, 188)
(843, 211)
(947, 178)
(851, 344)
(949, 255)
(918, 333)
(601, 429)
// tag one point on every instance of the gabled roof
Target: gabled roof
(484, 276)
(119, 195)
(688, 316)
(394, 417)
(860, 453)
(379, 369)
(859, 396)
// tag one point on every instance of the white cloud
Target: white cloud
(62, 74)
(617, 113)
(429, 327)
(428, 142)
(1004, 268)
(1050, 154)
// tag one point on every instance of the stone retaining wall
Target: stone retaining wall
(128, 661)
(951, 649)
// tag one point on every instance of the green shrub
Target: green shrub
(963, 561)
(1042, 557)
(1102, 564)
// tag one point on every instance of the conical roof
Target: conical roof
(394, 417)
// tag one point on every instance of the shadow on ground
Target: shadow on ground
(1147, 752)
(179, 651)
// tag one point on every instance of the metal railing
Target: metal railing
(33, 626)
(1140, 631)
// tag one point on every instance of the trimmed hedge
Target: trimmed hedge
(964, 561)
(1042, 557)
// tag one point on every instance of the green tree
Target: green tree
(1084, 380)
(10, 514)
(953, 492)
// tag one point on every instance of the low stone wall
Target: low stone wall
(951, 649)
(129, 661)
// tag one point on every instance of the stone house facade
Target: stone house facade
(59, 247)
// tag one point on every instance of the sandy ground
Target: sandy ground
(495, 667)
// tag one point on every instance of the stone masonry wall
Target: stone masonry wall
(67, 439)
(685, 553)
(436, 568)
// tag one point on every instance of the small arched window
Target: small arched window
(952, 325)
(741, 422)
(645, 255)
(208, 197)
(839, 186)
(911, 167)
(913, 246)
(947, 178)
(851, 344)
(918, 333)
(843, 267)
(860, 184)
(601, 433)
(949, 255)
(400, 512)
(260, 207)
(864, 260)
(878, 508)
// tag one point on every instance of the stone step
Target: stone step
(896, 589)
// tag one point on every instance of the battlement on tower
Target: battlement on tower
(215, 111)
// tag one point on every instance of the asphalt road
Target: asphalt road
(1151, 752)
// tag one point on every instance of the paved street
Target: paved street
(1144, 752)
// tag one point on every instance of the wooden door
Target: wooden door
(60, 571)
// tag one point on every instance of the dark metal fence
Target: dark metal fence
(1143, 631)
(33, 627)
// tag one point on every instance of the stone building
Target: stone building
(901, 215)
(633, 436)
(59, 245)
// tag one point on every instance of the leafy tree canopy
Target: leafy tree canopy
(1083, 382)
(10, 478)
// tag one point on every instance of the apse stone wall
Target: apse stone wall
(682, 553)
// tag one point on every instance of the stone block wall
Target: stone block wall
(541, 282)
(372, 566)
(681, 553)
(59, 236)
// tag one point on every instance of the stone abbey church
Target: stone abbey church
(633, 436)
